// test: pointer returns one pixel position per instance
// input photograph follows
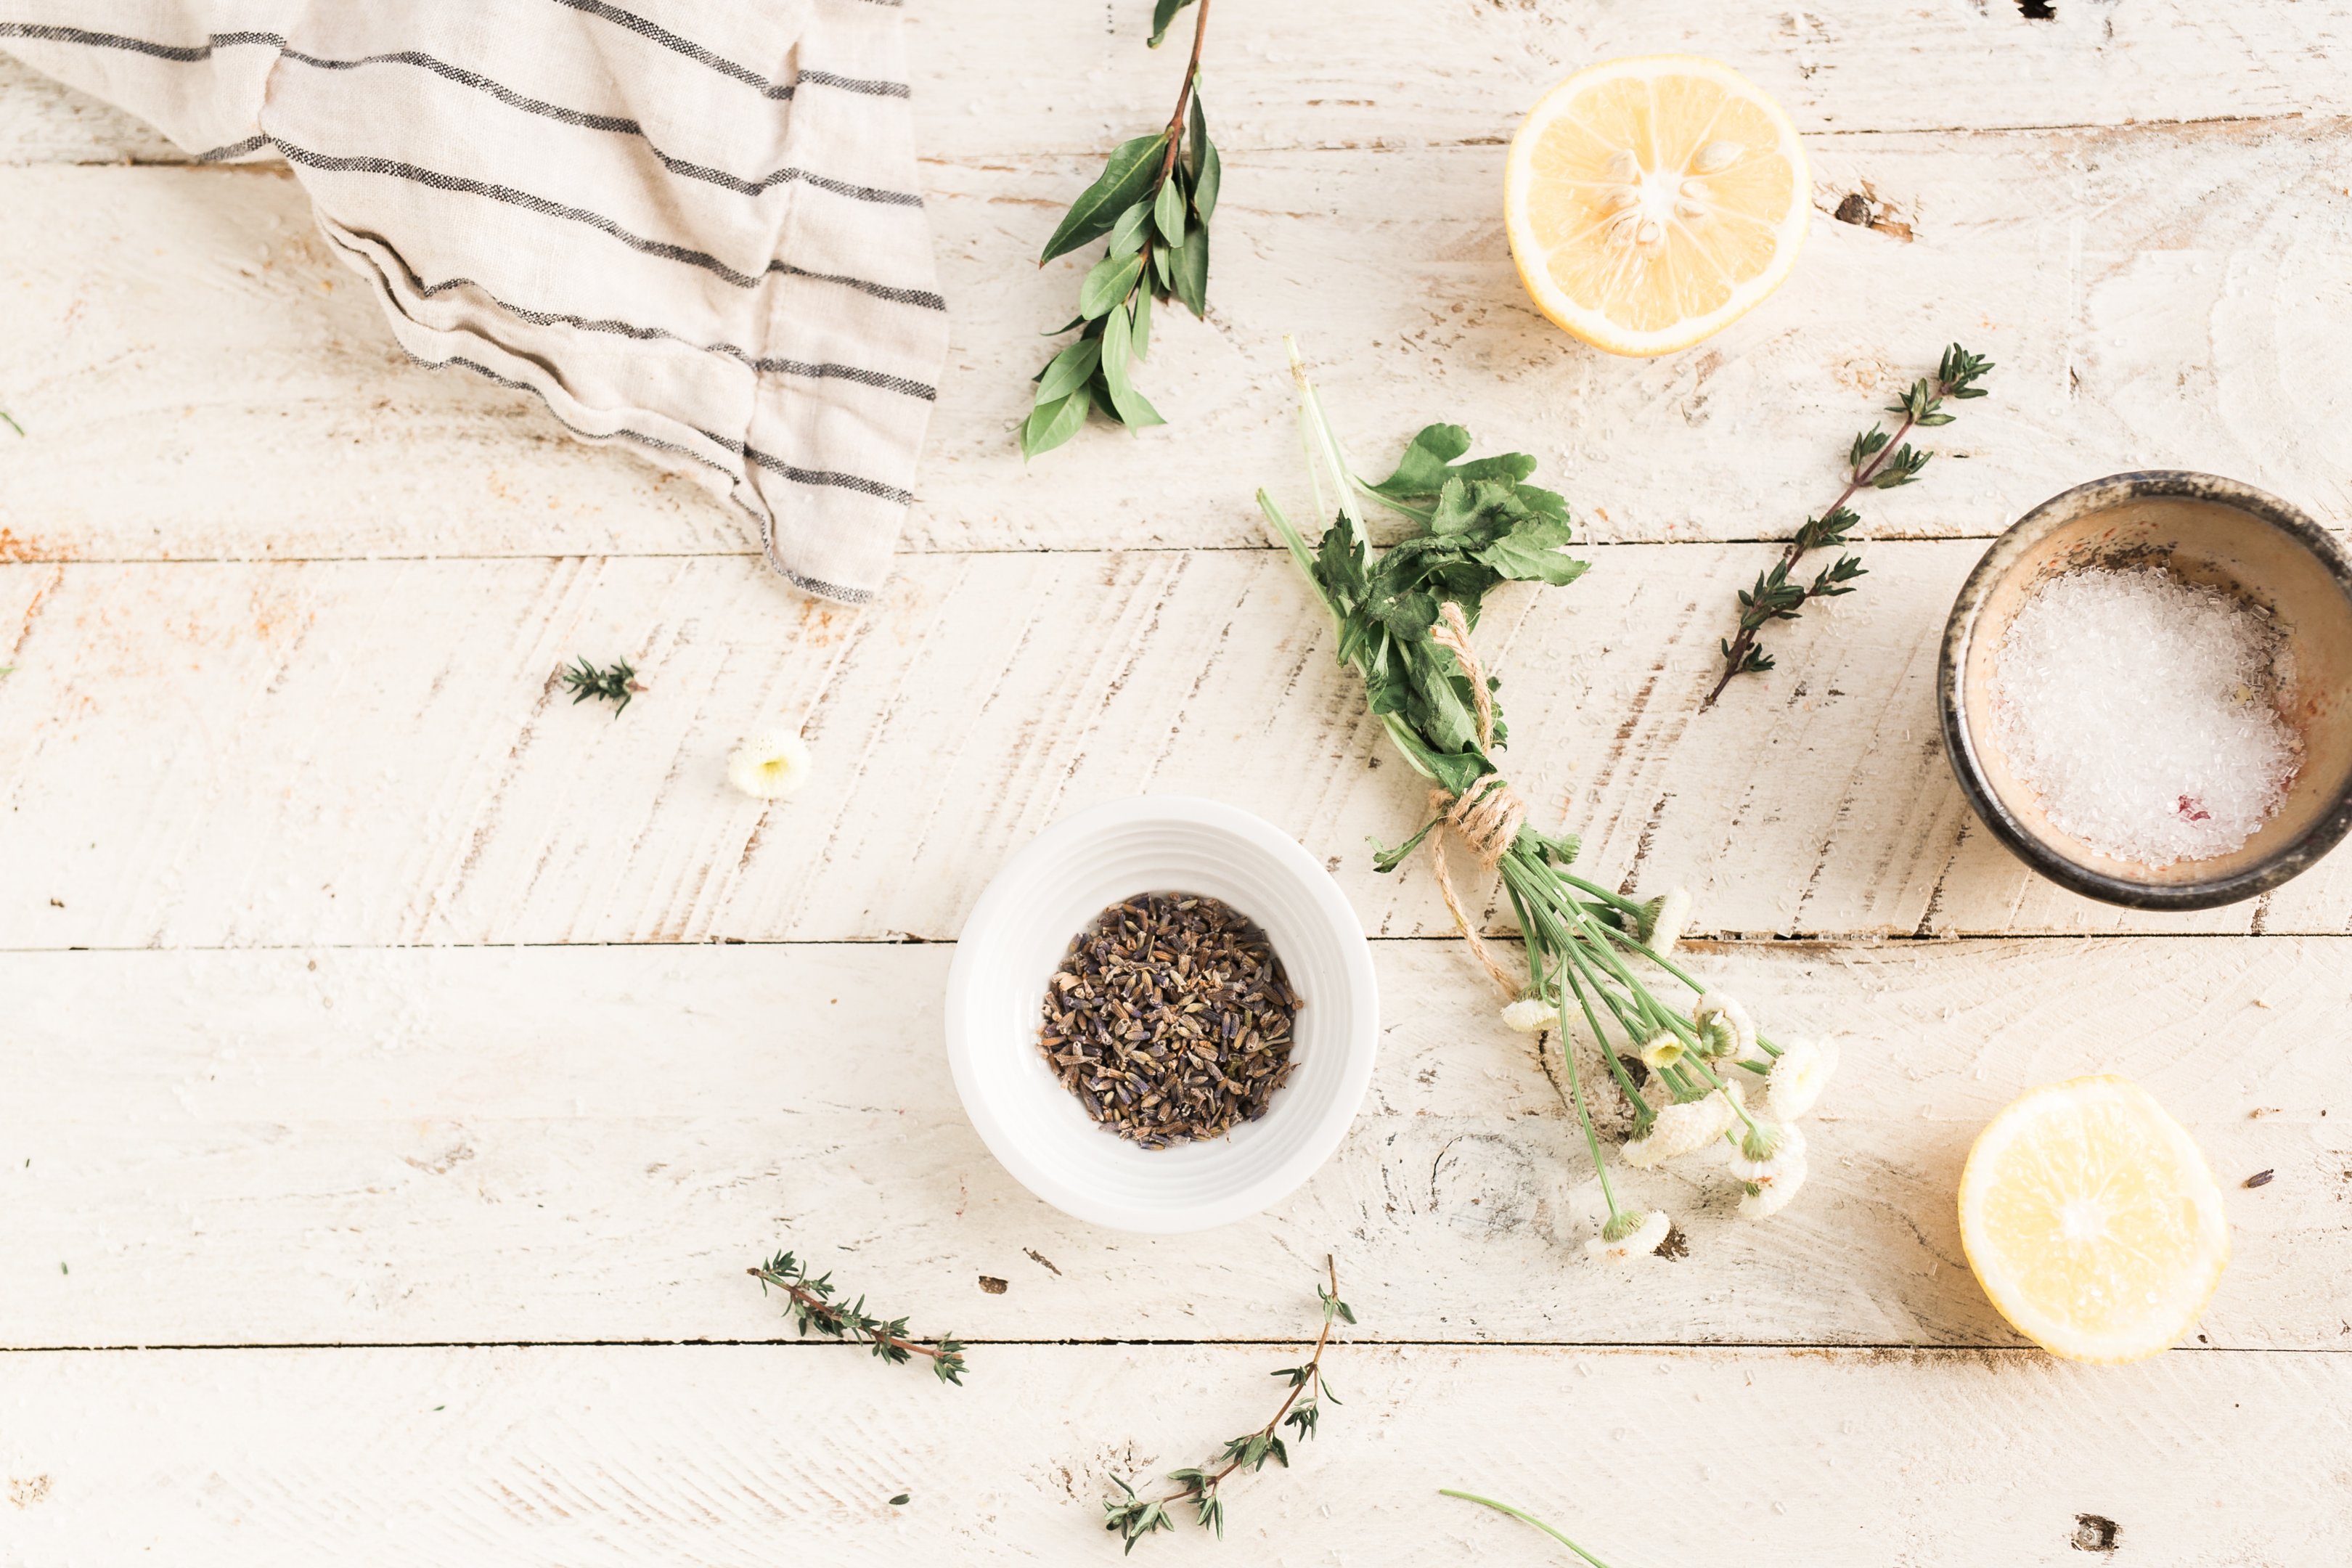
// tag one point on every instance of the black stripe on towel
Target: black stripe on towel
(611, 122)
(183, 53)
(653, 32)
(234, 150)
(394, 169)
(923, 296)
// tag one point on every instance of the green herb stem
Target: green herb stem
(1524, 1519)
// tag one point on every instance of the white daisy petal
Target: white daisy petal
(769, 767)
(1529, 1015)
(1768, 1197)
(1799, 1076)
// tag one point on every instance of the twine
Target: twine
(1489, 818)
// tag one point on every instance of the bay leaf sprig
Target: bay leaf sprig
(1134, 1516)
(1154, 200)
(813, 1307)
(1875, 461)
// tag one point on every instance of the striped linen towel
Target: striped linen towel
(688, 225)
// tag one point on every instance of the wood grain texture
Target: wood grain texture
(279, 753)
(2146, 291)
(591, 1145)
(752, 1454)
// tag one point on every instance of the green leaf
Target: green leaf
(1208, 169)
(1127, 234)
(1531, 553)
(1428, 463)
(1118, 350)
(1168, 212)
(1107, 284)
(1124, 179)
(1162, 12)
(1071, 325)
(1163, 262)
(1143, 324)
(1051, 424)
(1192, 271)
(1067, 371)
(1134, 411)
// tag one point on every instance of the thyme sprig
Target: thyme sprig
(1875, 461)
(812, 1305)
(1134, 1516)
(1154, 199)
(616, 685)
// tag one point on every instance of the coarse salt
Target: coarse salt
(2144, 712)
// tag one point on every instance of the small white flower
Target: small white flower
(769, 767)
(1768, 1150)
(1681, 1128)
(1725, 1029)
(1662, 1050)
(1799, 1076)
(1768, 1197)
(1638, 1236)
(1530, 1016)
(1662, 920)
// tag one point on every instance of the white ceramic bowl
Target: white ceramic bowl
(1015, 938)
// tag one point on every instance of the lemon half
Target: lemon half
(1650, 201)
(2091, 1221)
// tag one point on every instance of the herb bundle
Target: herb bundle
(1134, 1516)
(810, 1301)
(1154, 199)
(1404, 621)
(1875, 461)
(616, 685)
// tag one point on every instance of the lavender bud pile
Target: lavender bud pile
(1170, 1019)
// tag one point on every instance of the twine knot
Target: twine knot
(1489, 816)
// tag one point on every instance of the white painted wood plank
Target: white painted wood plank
(737, 1455)
(591, 1144)
(2155, 296)
(1004, 79)
(195, 755)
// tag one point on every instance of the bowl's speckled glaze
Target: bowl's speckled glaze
(2205, 530)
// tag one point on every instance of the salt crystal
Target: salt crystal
(2143, 711)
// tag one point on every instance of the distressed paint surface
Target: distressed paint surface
(286, 610)
(746, 1455)
(273, 753)
(353, 1145)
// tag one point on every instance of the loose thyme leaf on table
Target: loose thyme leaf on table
(1154, 200)
(811, 1303)
(1875, 461)
(1134, 1516)
(616, 685)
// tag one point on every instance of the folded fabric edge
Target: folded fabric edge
(434, 348)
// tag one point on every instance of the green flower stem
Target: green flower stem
(1524, 1519)
(1644, 1115)
(1616, 900)
(1576, 1092)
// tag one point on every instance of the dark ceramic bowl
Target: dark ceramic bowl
(2205, 530)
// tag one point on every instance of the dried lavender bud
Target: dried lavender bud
(1170, 1019)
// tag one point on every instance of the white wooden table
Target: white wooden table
(400, 1065)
